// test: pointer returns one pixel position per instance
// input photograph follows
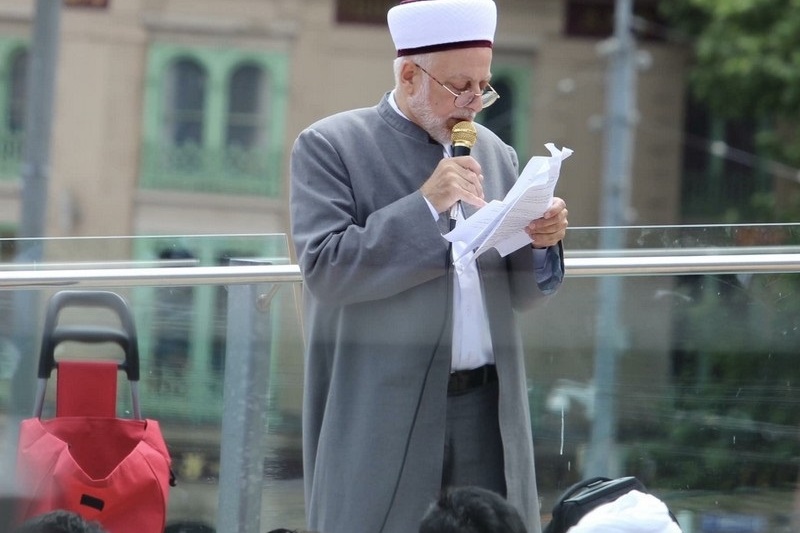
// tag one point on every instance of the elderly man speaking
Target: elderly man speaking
(415, 378)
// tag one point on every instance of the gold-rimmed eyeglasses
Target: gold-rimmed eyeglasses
(465, 98)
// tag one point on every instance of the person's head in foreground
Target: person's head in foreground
(59, 522)
(634, 512)
(471, 510)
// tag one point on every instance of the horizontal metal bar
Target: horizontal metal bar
(669, 252)
(152, 277)
(646, 265)
(682, 265)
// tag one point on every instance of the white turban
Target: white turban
(634, 512)
(422, 26)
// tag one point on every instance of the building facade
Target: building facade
(177, 117)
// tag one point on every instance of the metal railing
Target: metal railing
(77, 277)
(578, 263)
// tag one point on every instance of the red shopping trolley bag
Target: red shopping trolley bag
(85, 459)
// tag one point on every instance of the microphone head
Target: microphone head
(464, 134)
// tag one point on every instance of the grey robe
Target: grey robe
(377, 294)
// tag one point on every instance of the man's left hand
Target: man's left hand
(551, 228)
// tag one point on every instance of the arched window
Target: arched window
(17, 82)
(13, 98)
(185, 87)
(245, 130)
(185, 102)
(246, 107)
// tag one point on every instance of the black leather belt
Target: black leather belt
(464, 380)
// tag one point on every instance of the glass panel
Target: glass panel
(182, 338)
(681, 240)
(696, 372)
(691, 378)
(701, 399)
(173, 308)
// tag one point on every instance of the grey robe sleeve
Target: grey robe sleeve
(347, 257)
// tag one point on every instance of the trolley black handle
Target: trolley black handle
(53, 334)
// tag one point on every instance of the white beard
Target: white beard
(427, 120)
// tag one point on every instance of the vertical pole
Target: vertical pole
(40, 91)
(40, 88)
(620, 117)
(244, 408)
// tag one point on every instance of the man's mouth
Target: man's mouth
(452, 121)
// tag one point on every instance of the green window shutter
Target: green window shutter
(13, 81)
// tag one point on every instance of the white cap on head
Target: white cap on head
(634, 512)
(422, 26)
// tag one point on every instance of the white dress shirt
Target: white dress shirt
(472, 341)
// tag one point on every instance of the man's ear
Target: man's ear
(408, 71)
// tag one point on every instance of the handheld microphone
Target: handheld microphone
(463, 136)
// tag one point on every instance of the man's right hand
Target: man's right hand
(454, 179)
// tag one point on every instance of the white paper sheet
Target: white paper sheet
(501, 224)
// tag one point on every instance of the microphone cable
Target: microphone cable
(463, 137)
(448, 274)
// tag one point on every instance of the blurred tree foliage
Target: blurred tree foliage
(735, 419)
(736, 375)
(747, 64)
